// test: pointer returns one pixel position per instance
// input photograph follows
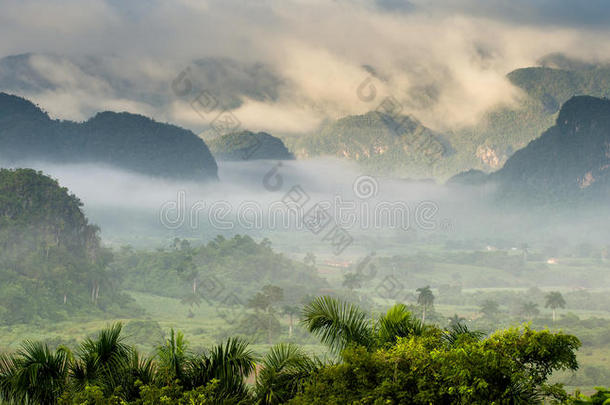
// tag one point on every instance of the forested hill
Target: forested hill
(384, 143)
(571, 160)
(51, 260)
(545, 88)
(247, 145)
(123, 140)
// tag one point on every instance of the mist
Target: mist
(278, 73)
(253, 197)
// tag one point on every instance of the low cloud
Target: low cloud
(285, 66)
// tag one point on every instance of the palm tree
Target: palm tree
(554, 300)
(458, 331)
(230, 363)
(172, 357)
(397, 322)
(291, 311)
(529, 309)
(35, 375)
(425, 299)
(339, 324)
(284, 370)
(102, 361)
(455, 320)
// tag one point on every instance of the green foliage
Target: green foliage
(509, 367)
(247, 145)
(124, 140)
(385, 143)
(568, 163)
(601, 397)
(400, 362)
(34, 375)
(285, 368)
(338, 324)
(210, 272)
(51, 260)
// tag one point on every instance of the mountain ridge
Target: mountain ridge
(121, 139)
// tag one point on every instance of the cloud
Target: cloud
(284, 66)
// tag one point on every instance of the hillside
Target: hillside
(546, 87)
(381, 142)
(51, 259)
(570, 161)
(247, 145)
(123, 140)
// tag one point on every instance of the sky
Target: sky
(285, 66)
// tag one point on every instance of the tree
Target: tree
(509, 367)
(310, 259)
(456, 320)
(340, 324)
(265, 301)
(529, 309)
(35, 375)
(425, 298)
(291, 311)
(554, 300)
(101, 361)
(284, 371)
(490, 308)
(352, 281)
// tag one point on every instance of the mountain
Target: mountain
(127, 141)
(391, 144)
(545, 88)
(51, 259)
(568, 162)
(247, 145)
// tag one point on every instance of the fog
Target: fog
(281, 66)
(254, 197)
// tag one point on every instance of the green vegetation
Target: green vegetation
(384, 143)
(247, 145)
(393, 358)
(123, 140)
(568, 163)
(238, 266)
(398, 145)
(53, 265)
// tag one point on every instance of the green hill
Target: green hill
(502, 131)
(123, 140)
(383, 145)
(247, 145)
(381, 142)
(569, 162)
(51, 261)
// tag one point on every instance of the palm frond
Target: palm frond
(397, 322)
(459, 331)
(285, 369)
(337, 323)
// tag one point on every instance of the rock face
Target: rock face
(384, 143)
(571, 160)
(246, 145)
(127, 141)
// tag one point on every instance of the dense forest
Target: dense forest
(127, 141)
(390, 358)
(568, 162)
(384, 141)
(51, 260)
(247, 145)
